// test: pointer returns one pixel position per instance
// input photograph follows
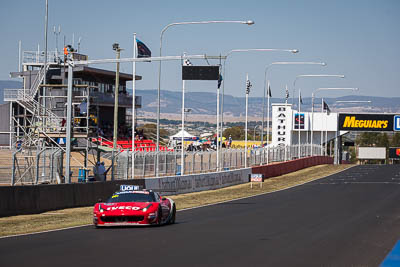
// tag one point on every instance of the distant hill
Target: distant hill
(8, 85)
(205, 103)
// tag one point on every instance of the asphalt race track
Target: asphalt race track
(351, 218)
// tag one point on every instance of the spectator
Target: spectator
(83, 108)
(83, 112)
(100, 132)
(96, 171)
(230, 141)
(102, 172)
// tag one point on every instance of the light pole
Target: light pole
(354, 101)
(312, 108)
(338, 144)
(266, 87)
(117, 49)
(183, 120)
(187, 111)
(312, 75)
(294, 51)
(133, 105)
(298, 125)
(248, 22)
(254, 132)
(45, 73)
(57, 33)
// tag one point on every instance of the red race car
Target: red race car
(131, 206)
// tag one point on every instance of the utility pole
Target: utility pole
(248, 86)
(44, 80)
(116, 92)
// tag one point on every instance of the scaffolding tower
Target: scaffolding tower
(38, 121)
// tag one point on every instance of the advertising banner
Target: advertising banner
(371, 153)
(198, 182)
(299, 120)
(257, 177)
(369, 122)
(282, 121)
(394, 152)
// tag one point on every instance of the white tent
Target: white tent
(186, 136)
(206, 135)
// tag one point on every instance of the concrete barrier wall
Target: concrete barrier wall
(277, 169)
(30, 199)
(194, 183)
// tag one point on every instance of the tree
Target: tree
(395, 140)
(382, 140)
(237, 133)
(150, 131)
(367, 139)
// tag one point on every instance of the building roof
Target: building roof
(103, 72)
(86, 69)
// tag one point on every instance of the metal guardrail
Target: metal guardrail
(13, 94)
(38, 56)
(23, 97)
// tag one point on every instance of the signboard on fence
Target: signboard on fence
(256, 178)
(61, 141)
(371, 153)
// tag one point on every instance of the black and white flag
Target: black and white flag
(326, 107)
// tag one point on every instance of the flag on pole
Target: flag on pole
(287, 93)
(300, 99)
(248, 86)
(326, 107)
(269, 91)
(186, 62)
(220, 80)
(142, 49)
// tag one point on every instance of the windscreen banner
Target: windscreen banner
(369, 122)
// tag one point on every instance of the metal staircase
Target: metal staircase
(49, 121)
(39, 119)
(33, 158)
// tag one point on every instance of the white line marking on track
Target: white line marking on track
(260, 193)
(47, 231)
(362, 183)
(78, 226)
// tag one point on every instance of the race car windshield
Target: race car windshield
(131, 197)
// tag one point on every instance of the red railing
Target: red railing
(140, 145)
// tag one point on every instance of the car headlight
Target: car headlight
(146, 208)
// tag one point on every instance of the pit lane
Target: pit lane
(350, 218)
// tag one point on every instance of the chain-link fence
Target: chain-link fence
(48, 165)
(170, 163)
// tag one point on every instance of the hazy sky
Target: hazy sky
(358, 38)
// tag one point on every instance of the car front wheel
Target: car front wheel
(159, 216)
(172, 220)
